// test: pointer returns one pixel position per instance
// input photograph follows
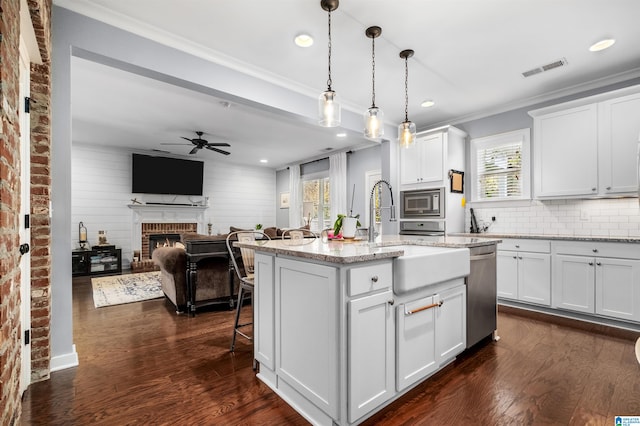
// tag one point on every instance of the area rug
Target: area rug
(121, 289)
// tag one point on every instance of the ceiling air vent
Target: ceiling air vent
(552, 65)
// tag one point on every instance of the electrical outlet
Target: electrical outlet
(493, 218)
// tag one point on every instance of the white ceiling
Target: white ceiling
(469, 58)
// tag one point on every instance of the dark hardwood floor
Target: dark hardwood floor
(142, 364)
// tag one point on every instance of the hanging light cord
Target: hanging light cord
(329, 79)
(373, 72)
(406, 89)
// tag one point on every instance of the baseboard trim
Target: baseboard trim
(575, 320)
(62, 362)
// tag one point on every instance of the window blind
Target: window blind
(499, 171)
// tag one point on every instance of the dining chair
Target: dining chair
(246, 278)
(299, 235)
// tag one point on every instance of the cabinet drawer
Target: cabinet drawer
(370, 278)
(598, 249)
(535, 246)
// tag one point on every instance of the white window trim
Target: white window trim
(523, 135)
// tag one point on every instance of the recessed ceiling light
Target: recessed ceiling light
(341, 135)
(303, 40)
(602, 44)
(264, 160)
(427, 104)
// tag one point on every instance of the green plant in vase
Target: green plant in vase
(337, 225)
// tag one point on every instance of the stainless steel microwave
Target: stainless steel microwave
(422, 203)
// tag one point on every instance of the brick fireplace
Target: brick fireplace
(169, 229)
(163, 219)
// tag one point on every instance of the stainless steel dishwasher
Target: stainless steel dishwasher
(481, 294)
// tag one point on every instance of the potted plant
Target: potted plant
(345, 226)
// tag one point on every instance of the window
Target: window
(500, 167)
(315, 203)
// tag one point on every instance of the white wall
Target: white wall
(618, 217)
(101, 191)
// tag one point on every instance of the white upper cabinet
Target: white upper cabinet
(618, 141)
(426, 164)
(587, 147)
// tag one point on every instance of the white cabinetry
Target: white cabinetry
(263, 312)
(306, 326)
(524, 271)
(597, 278)
(371, 339)
(431, 332)
(598, 133)
(422, 163)
(426, 164)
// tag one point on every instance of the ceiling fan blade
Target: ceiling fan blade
(187, 139)
(194, 150)
(218, 144)
(217, 150)
(177, 144)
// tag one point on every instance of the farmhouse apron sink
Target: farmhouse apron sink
(421, 266)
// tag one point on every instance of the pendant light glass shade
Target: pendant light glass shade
(406, 129)
(373, 117)
(373, 123)
(329, 110)
(406, 134)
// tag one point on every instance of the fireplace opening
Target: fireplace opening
(162, 240)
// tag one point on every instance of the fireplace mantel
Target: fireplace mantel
(161, 213)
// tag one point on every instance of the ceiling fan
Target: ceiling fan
(202, 143)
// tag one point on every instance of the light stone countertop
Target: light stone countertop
(603, 239)
(352, 251)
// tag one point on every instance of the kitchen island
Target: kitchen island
(343, 328)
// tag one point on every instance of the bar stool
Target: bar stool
(246, 279)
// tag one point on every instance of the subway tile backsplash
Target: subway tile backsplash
(618, 217)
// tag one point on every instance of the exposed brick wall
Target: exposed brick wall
(40, 222)
(10, 329)
(40, 11)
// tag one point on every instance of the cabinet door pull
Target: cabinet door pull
(374, 278)
(608, 188)
(515, 257)
(391, 302)
(595, 250)
(598, 263)
(424, 308)
(593, 189)
(590, 263)
(517, 245)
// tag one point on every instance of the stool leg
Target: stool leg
(235, 324)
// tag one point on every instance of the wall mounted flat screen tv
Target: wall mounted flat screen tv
(164, 175)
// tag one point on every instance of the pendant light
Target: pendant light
(373, 127)
(406, 129)
(328, 105)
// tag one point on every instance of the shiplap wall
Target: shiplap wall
(239, 196)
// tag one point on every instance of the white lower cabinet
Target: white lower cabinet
(574, 283)
(451, 324)
(524, 271)
(431, 331)
(601, 279)
(306, 329)
(371, 353)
